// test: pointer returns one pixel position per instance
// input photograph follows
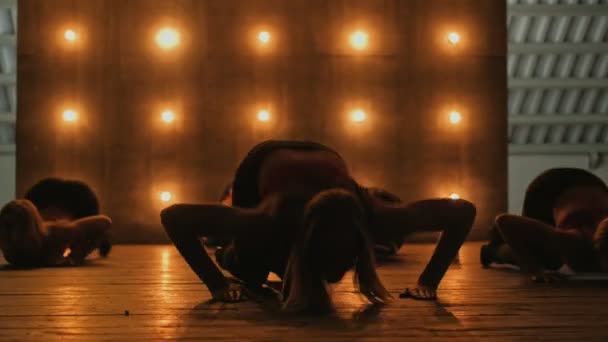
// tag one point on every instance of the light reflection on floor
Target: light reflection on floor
(167, 325)
(166, 300)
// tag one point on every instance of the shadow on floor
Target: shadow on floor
(363, 322)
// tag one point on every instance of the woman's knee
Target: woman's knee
(462, 210)
(466, 208)
(170, 219)
(169, 216)
(507, 223)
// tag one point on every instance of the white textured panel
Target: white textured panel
(8, 60)
(6, 21)
(8, 65)
(557, 2)
(571, 113)
(5, 104)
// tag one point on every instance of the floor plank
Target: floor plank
(165, 301)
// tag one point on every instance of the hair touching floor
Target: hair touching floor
(333, 239)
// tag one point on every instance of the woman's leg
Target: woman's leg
(215, 241)
(454, 218)
(185, 223)
(497, 251)
(536, 245)
(385, 246)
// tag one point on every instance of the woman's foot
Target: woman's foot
(486, 255)
(420, 292)
(105, 246)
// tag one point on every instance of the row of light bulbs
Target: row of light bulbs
(168, 116)
(167, 196)
(169, 38)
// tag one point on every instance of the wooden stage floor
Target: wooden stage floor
(165, 301)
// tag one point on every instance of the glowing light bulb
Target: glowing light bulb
(454, 196)
(167, 38)
(166, 196)
(70, 115)
(264, 37)
(454, 38)
(168, 116)
(358, 40)
(70, 35)
(358, 115)
(67, 252)
(455, 117)
(263, 115)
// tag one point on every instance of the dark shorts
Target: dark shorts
(245, 187)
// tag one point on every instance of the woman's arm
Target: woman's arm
(185, 223)
(600, 244)
(454, 218)
(81, 236)
(531, 239)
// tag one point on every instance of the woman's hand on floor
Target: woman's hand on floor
(420, 292)
(548, 277)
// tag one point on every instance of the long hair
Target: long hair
(305, 285)
(22, 232)
(73, 196)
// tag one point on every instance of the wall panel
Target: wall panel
(309, 77)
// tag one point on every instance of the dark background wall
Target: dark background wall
(309, 78)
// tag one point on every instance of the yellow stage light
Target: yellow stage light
(454, 38)
(455, 117)
(70, 115)
(358, 40)
(358, 115)
(264, 37)
(166, 196)
(168, 116)
(263, 115)
(454, 196)
(167, 38)
(70, 35)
